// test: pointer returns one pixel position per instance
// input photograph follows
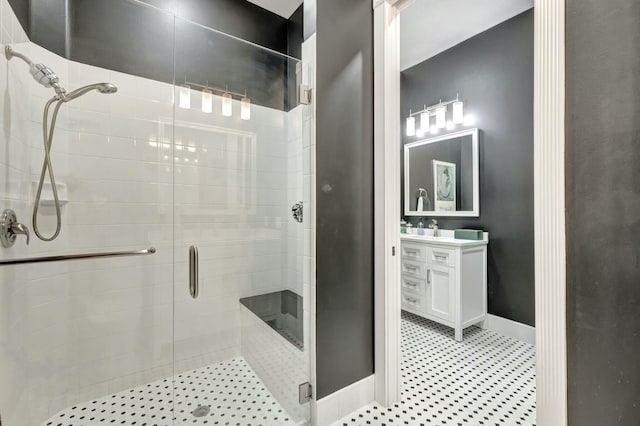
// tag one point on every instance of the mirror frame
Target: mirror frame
(475, 212)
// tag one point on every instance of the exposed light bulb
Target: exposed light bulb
(419, 132)
(411, 126)
(469, 120)
(424, 122)
(185, 97)
(227, 105)
(458, 112)
(441, 117)
(207, 101)
(450, 125)
(245, 109)
(434, 130)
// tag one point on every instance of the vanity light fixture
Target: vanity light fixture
(207, 101)
(227, 104)
(424, 120)
(411, 125)
(245, 108)
(440, 111)
(458, 112)
(185, 96)
(441, 117)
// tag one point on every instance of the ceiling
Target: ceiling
(283, 8)
(428, 27)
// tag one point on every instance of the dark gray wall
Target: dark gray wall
(344, 161)
(603, 212)
(493, 72)
(128, 37)
(239, 18)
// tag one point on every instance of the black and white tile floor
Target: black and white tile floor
(487, 379)
(231, 390)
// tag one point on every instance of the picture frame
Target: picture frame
(444, 186)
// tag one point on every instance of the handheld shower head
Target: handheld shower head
(106, 88)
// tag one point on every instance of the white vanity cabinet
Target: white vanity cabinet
(445, 279)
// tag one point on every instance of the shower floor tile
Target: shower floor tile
(231, 389)
(487, 379)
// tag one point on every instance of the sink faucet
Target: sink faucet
(434, 225)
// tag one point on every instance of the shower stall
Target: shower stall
(177, 290)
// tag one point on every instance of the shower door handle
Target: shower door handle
(194, 280)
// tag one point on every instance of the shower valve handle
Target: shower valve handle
(10, 228)
(20, 229)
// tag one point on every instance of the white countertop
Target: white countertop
(445, 238)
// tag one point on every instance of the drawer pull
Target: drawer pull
(408, 299)
(410, 268)
(428, 276)
(411, 284)
(411, 252)
(441, 257)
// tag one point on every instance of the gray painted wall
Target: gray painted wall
(603, 212)
(344, 161)
(493, 72)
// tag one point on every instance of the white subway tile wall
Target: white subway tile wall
(73, 331)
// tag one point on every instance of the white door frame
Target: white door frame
(549, 210)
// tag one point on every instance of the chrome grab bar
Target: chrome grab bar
(23, 261)
(194, 280)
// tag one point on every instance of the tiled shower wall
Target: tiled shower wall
(73, 331)
(14, 173)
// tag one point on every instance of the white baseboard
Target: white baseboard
(510, 328)
(332, 408)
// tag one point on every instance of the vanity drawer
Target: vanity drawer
(413, 285)
(417, 252)
(413, 302)
(441, 256)
(413, 269)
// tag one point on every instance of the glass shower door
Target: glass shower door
(241, 310)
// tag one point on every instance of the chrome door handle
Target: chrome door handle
(194, 281)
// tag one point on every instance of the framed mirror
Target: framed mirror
(441, 176)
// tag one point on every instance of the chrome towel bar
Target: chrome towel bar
(60, 258)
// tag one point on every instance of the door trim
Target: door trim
(549, 196)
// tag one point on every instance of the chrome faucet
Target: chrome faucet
(434, 225)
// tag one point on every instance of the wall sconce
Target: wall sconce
(411, 125)
(207, 101)
(424, 121)
(440, 111)
(227, 104)
(185, 96)
(441, 117)
(458, 112)
(245, 108)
